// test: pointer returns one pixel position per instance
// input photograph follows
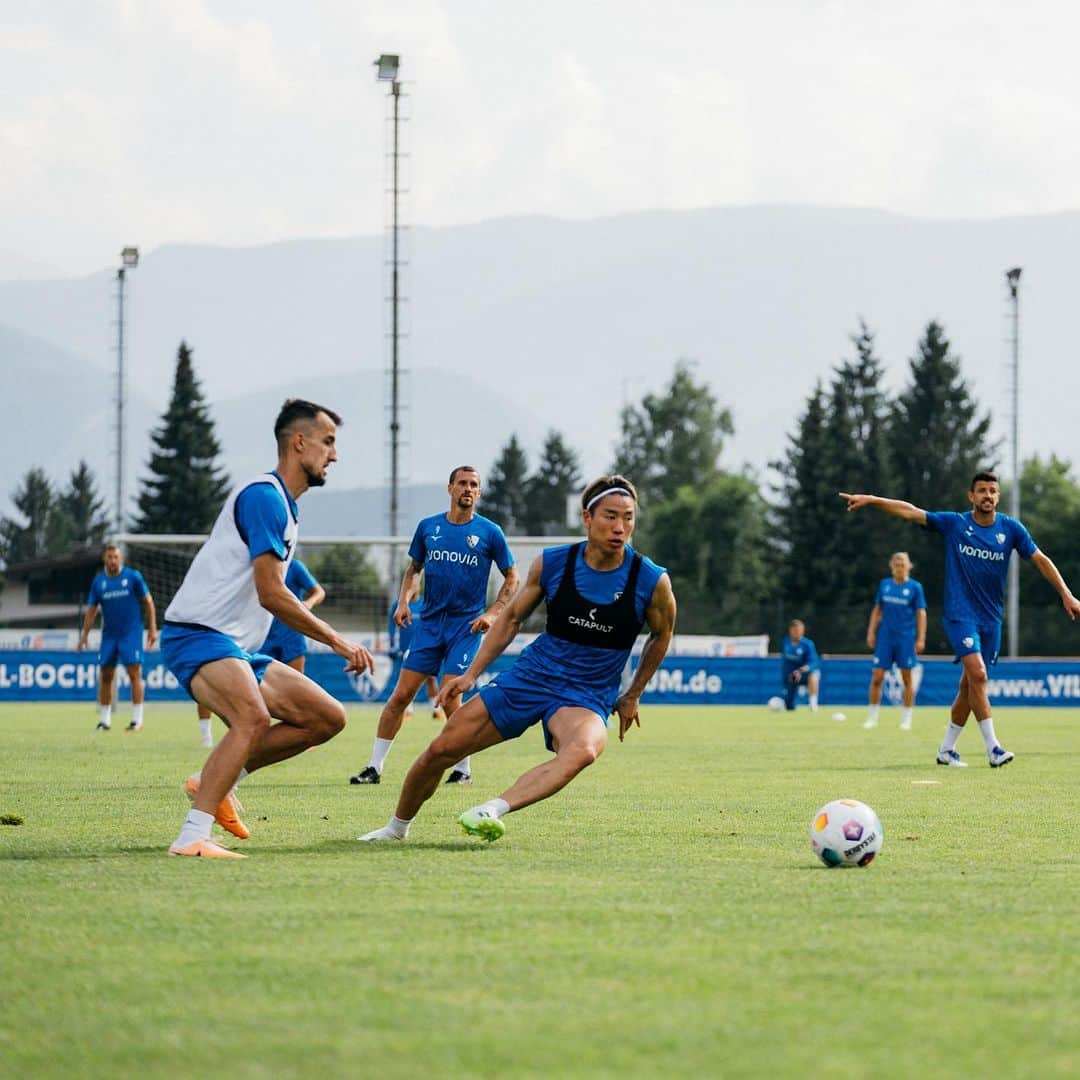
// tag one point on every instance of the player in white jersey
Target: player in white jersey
(220, 615)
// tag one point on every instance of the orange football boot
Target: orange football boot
(206, 849)
(227, 814)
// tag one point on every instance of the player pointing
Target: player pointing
(221, 613)
(977, 548)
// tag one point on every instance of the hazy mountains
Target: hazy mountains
(531, 323)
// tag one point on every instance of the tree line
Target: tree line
(746, 551)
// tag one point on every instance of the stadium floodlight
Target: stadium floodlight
(129, 259)
(1012, 277)
(387, 66)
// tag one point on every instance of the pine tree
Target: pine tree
(672, 439)
(937, 440)
(830, 563)
(503, 493)
(38, 535)
(82, 510)
(556, 479)
(186, 488)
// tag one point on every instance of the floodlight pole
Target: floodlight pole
(129, 260)
(1012, 277)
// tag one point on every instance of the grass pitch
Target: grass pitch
(663, 916)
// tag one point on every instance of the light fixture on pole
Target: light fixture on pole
(1012, 277)
(387, 67)
(129, 260)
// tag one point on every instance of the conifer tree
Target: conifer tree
(503, 490)
(556, 479)
(186, 486)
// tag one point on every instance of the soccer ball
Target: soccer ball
(776, 703)
(846, 833)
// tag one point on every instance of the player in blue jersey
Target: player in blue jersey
(454, 551)
(599, 595)
(977, 548)
(897, 634)
(220, 616)
(121, 595)
(800, 666)
(282, 642)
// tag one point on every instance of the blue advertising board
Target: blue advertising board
(61, 675)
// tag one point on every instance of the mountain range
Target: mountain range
(522, 325)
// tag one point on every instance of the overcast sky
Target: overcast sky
(131, 122)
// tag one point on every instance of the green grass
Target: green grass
(663, 916)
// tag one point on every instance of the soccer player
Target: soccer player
(222, 612)
(282, 642)
(121, 595)
(800, 665)
(977, 548)
(599, 594)
(897, 634)
(454, 551)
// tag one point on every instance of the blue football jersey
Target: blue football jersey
(557, 663)
(977, 562)
(119, 599)
(795, 656)
(898, 603)
(457, 563)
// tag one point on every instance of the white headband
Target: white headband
(607, 491)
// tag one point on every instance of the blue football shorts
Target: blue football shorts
(894, 649)
(185, 649)
(126, 650)
(515, 704)
(442, 646)
(971, 637)
(284, 643)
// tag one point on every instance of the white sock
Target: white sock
(395, 829)
(872, 712)
(813, 702)
(987, 728)
(379, 749)
(243, 774)
(105, 715)
(952, 733)
(204, 728)
(196, 827)
(495, 807)
(905, 715)
(463, 766)
(136, 715)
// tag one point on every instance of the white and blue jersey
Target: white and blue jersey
(456, 560)
(283, 642)
(977, 563)
(120, 601)
(216, 611)
(555, 671)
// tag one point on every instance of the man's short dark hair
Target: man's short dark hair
(985, 475)
(462, 468)
(602, 483)
(296, 411)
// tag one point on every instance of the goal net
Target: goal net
(361, 575)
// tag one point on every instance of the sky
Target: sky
(240, 123)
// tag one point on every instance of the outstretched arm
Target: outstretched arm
(660, 615)
(907, 511)
(1044, 564)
